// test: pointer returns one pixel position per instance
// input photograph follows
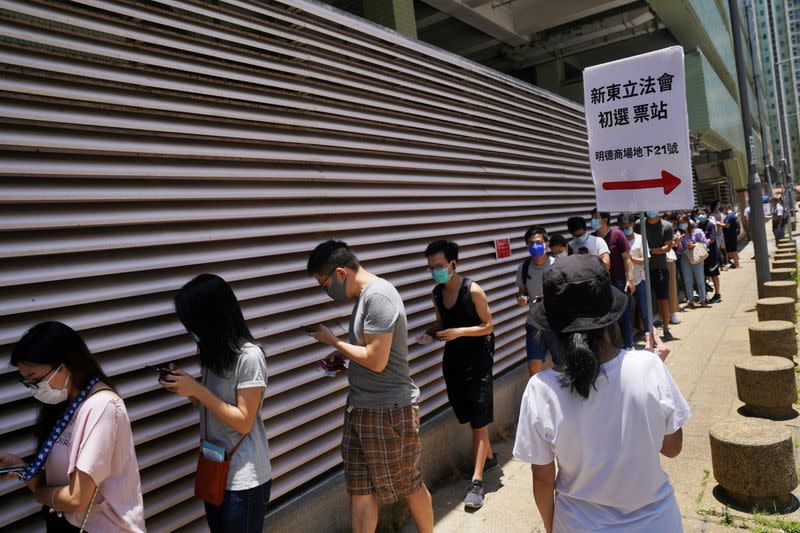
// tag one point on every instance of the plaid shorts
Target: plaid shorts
(380, 449)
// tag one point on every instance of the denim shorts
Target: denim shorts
(538, 343)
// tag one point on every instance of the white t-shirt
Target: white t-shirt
(636, 253)
(594, 245)
(778, 210)
(607, 446)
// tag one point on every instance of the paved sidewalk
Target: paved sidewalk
(707, 342)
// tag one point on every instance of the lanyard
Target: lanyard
(62, 423)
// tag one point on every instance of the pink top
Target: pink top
(99, 442)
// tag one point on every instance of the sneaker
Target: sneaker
(715, 299)
(673, 320)
(657, 322)
(490, 463)
(667, 336)
(474, 499)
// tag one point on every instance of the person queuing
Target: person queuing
(711, 263)
(529, 284)
(717, 214)
(626, 222)
(779, 217)
(85, 474)
(464, 322)
(693, 273)
(602, 417)
(660, 236)
(380, 442)
(584, 242)
(621, 270)
(730, 234)
(558, 246)
(229, 396)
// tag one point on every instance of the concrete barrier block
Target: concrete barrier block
(773, 337)
(774, 289)
(767, 386)
(782, 274)
(779, 308)
(791, 264)
(753, 461)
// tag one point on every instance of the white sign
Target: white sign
(639, 132)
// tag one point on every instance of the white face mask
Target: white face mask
(562, 254)
(49, 395)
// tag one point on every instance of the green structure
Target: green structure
(549, 43)
(778, 27)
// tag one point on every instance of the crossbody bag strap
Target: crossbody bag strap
(89, 510)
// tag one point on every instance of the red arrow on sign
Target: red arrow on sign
(668, 181)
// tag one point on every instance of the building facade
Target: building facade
(778, 27)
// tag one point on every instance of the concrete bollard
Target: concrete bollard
(774, 289)
(776, 309)
(782, 274)
(791, 264)
(773, 337)
(753, 461)
(767, 386)
(782, 256)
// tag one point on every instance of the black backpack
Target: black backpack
(526, 266)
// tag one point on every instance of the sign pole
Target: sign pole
(649, 294)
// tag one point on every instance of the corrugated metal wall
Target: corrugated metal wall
(144, 142)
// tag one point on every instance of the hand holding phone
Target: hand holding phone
(309, 330)
(163, 371)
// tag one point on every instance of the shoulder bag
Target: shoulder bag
(212, 476)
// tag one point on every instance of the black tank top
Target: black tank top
(463, 315)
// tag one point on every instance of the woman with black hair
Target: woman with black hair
(229, 395)
(604, 415)
(85, 474)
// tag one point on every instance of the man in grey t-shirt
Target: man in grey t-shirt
(529, 284)
(380, 441)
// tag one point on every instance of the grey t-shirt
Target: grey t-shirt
(379, 309)
(534, 282)
(250, 465)
(658, 235)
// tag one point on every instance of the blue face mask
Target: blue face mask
(683, 226)
(441, 275)
(595, 224)
(536, 249)
(627, 231)
(583, 238)
(702, 218)
(651, 214)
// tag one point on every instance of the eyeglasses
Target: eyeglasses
(436, 267)
(324, 281)
(34, 384)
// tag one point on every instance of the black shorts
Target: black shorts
(711, 264)
(469, 388)
(659, 280)
(731, 244)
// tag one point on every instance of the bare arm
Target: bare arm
(241, 416)
(68, 498)
(630, 288)
(672, 444)
(606, 259)
(374, 356)
(544, 492)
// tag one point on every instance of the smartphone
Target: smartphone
(309, 329)
(12, 469)
(163, 371)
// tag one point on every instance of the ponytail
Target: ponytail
(581, 357)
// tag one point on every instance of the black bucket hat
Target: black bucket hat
(578, 296)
